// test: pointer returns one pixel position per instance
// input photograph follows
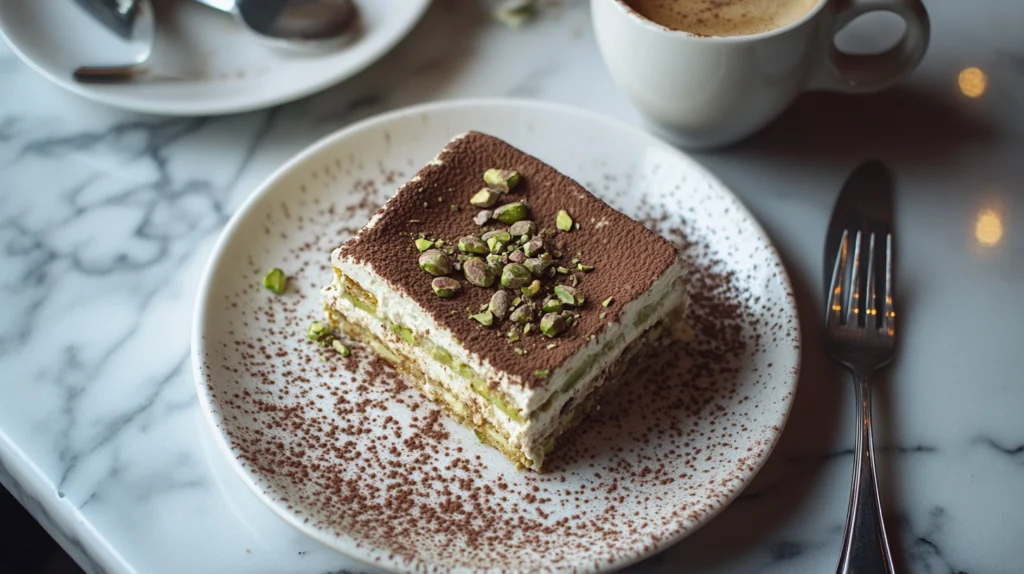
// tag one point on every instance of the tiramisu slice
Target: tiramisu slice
(505, 291)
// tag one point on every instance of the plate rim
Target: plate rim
(145, 106)
(342, 546)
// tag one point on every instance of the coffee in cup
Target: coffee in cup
(722, 17)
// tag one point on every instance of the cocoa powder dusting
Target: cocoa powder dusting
(351, 448)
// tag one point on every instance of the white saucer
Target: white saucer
(229, 70)
(354, 458)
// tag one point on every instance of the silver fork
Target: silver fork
(861, 335)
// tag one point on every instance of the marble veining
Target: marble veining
(107, 218)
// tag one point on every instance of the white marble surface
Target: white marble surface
(106, 219)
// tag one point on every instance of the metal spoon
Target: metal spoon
(293, 23)
(140, 32)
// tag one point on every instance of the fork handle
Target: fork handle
(865, 548)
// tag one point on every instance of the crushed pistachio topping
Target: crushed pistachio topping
(534, 287)
(435, 262)
(511, 212)
(499, 304)
(542, 373)
(445, 287)
(340, 348)
(478, 272)
(523, 228)
(515, 276)
(485, 318)
(482, 217)
(552, 305)
(473, 244)
(275, 280)
(563, 220)
(486, 197)
(318, 331)
(552, 324)
(501, 180)
(532, 290)
(565, 294)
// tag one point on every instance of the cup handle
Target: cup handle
(844, 72)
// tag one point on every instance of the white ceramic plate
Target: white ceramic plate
(346, 452)
(228, 69)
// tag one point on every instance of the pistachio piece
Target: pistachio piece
(515, 14)
(445, 287)
(561, 270)
(607, 302)
(495, 245)
(435, 262)
(542, 373)
(563, 220)
(517, 256)
(552, 306)
(478, 272)
(482, 217)
(515, 276)
(340, 348)
(501, 180)
(484, 198)
(532, 289)
(499, 234)
(584, 268)
(536, 266)
(499, 304)
(533, 246)
(511, 212)
(318, 330)
(565, 294)
(552, 324)
(472, 244)
(454, 208)
(486, 318)
(423, 244)
(519, 351)
(523, 228)
(527, 328)
(275, 280)
(522, 314)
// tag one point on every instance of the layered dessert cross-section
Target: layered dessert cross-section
(505, 292)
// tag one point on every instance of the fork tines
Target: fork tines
(847, 306)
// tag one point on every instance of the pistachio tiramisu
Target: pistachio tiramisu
(505, 292)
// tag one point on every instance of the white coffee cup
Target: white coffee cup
(705, 92)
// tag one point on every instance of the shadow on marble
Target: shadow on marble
(755, 519)
(912, 125)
